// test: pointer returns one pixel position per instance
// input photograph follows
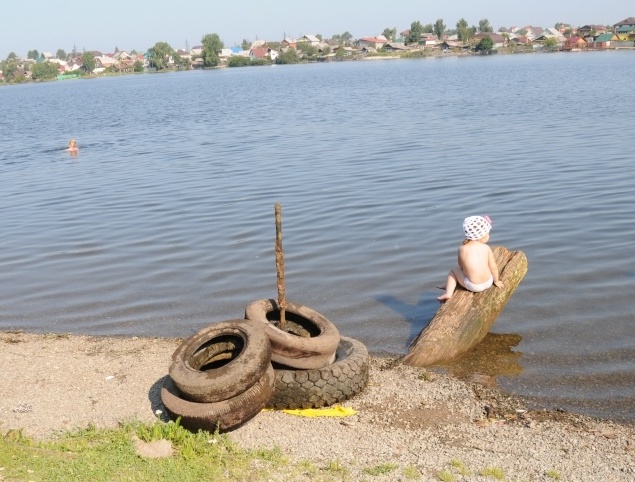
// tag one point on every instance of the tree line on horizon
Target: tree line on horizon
(159, 55)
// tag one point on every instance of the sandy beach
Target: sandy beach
(416, 419)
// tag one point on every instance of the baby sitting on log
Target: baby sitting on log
(477, 269)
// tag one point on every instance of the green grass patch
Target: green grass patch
(445, 476)
(109, 455)
(335, 468)
(381, 469)
(460, 467)
(553, 474)
(494, 472)
(411, 473)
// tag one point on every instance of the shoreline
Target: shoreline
(372, 57)
(409, 417)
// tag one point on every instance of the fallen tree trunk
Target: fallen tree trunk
(464, 320)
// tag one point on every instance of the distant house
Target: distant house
(428, 40)
(123, 55)
(553, 32)
(310, 39)
(184, 54)
(396, 47)
(574, 43)
(102, 62)
(550, 33)
(325, 47)
(61, 63)
(533, 32)
(288, 43)
(124, 66)
(343, 51)
(263, 53)
(453, 45)
(604, 41)
(625, 30)
(224, 54)
(519, 40)
(590, 30)
(372, 42)
(601, 29)
(497, 39)
(74, 65)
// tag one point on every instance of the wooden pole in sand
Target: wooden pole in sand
(282, 304)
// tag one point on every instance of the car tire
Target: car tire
(224, 415)
(322, 387)
(220, 361)
(308, 341)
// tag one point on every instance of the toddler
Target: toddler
(477, 269)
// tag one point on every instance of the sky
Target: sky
(46, 26)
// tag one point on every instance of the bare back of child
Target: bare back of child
(476, 270)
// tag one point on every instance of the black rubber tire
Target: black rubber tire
(220, 361)
(322, 387)
(225, 415)
(309, 340)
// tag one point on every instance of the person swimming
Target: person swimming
(72, 146)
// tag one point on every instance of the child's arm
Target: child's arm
(493, 267)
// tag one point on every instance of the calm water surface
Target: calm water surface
(164, 221)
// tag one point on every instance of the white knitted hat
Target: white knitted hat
(476, 227)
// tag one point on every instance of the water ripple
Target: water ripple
(164, 221)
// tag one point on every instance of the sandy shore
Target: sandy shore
(421, 421)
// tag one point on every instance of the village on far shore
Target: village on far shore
(418, 41)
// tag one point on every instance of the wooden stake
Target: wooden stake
(282, 304)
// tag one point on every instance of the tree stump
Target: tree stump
(464, 320)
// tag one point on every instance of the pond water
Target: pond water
(164, 221)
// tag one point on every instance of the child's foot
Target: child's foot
(444, 297)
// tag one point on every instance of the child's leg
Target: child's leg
(453, 279)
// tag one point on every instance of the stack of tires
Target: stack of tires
(225, 374)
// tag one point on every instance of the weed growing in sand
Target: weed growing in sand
(460, 467)
(335, 467)
(495, 472)
(273, 455)
(307, 468)
(411, 473)
(380, 469)
(553, 474)
(445, 476)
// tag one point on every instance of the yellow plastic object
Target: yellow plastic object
(334, 411)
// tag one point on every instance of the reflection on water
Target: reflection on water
(492, 358)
